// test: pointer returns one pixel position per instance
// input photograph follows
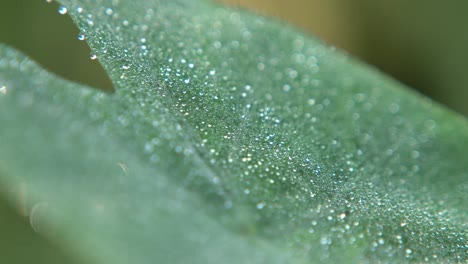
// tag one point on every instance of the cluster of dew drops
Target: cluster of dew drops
(261, 205)
(63, 10)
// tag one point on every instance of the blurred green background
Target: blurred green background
(422, 43)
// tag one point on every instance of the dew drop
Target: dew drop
(62, 10)
(37, 217)
(311, 101)
(260, 205)
(49, 1)
(325, 240)
(3, 90)
(187, 81)
(217, 45)
(212, 72)
(154, 157)
(286, 88)
(109, 11)
(260, 66)
(228, 204)
(93, 56)
(292, 74)
(148, 148)
(81, 37)
(79, 10)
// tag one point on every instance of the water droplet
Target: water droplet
(81, 37)
(49, 1)
(286, 88)
(260, 205)
(125, 67)
(125, 23)
(62, 10)
(311, 101)
(217, 45)
(37, 217)
(403, 224)
(212, 72)
(93, 56)
(228, 204)
(109, 11)
(292, 74)
(430, 124)
(143, 40)
(190, 65)
(3, 90)
(187, 81)
(79, 10)
(394, 108)
(261, 66)
(148, 148)
(325, 240)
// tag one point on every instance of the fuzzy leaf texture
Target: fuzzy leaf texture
(230, 138)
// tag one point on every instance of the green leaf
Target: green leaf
(230, 138)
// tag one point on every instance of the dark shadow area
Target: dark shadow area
(38, 30)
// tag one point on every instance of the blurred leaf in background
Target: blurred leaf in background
(421, 43)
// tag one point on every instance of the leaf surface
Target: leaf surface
(230, 138)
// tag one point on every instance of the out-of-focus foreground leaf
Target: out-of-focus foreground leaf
(230, 138)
